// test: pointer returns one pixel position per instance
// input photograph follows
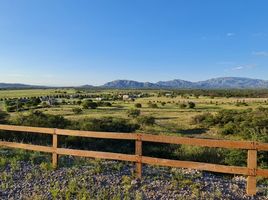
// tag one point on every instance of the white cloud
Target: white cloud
(238, 68)
(260, 53)
(230, 34)
(242, 67)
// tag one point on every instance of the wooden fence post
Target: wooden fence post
(55, 146)
(252, 166)
(138, 152)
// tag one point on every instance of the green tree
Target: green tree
(77, 111)
(152, 105)
(134, 113)
(183, 105)
(146, 120)
(3, 117)
(89, 104)
(110, 124)
(191, 104)
(138, 105)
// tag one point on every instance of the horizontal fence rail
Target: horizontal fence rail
(251, 171)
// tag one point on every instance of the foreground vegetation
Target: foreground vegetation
(233, 114)
(236, 115)
(80, 178)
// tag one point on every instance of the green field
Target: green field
(181, 113)
(170, 118)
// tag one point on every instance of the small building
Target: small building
(125, 97)
(49, 100)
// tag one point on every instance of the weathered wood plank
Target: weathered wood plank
(262, 172)
(27, 146)
(54, 154)
(198, 142)
(94, 134)
(138, 152)
(252, 165)
(195, 165)
(144, 137)
(262, 146)
(27, 129)
(97, 154)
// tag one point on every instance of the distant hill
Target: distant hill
(128, 84)
(233, 82)
(177, 83)
(18, 86)
(216, 83)
(86, 86)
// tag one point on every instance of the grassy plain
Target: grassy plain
(170, 118)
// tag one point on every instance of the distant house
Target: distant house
(168, 95)
(73, 96)
(23, 100)
(49, 100)
(127, 97)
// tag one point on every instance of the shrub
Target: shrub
(77, 111)
(191, 104)
(152, 105)
(39, 119)
(228, 129)
(138, 105)
(105, 104)
(3, 117)
(109, 124)
(183, 105)
(89, 104)
(241, 104)
(205, 119)
(134, 113)
(146, 120)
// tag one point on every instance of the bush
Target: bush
(35, 119)
(77, 111)
(109, 124)
(205, 119)
(152, 105)
(183, 105)
(39, 119)
(89, 104)
(228, 129)
(105, 104)
(146, 120)
(191, 104)
(134, 113)
(241, 104)
(138, 105)
(3, 117)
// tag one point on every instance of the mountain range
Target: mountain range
(19, 86)
(215, 83)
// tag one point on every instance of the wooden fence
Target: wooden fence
(251, 171)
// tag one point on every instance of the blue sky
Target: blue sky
(54, 42)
